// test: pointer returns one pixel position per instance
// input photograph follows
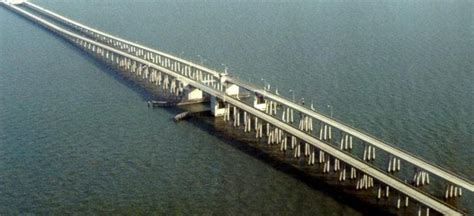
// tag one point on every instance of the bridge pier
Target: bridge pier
(452, 191)
(369, 153)
(129, 56)
(191, 93)
(217, 107)
(421, 178)
(325, 132)
(393, 164)
(270, 107)
(232, 90)
(306, 124)
(259, 102)
(346, 142)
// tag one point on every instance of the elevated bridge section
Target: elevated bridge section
(272, 118)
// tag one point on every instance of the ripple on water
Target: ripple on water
(75, 138)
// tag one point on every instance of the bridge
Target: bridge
(311, 136)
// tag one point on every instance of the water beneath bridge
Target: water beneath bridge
(74, 136)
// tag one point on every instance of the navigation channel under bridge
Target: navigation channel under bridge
(319, 140)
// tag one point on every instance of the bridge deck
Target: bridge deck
(397, 152)
(415, 160)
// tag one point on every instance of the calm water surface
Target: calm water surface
(76, 137)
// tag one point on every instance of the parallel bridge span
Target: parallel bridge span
(396, 152)
(219, 92)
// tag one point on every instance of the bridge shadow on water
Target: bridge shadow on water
(362, 201)
(236, 138)
(241, 141)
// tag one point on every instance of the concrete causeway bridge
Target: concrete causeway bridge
(355, 157)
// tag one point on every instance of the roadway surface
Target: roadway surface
(397, 152)
(408, 157)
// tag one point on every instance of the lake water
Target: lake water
(76, 137)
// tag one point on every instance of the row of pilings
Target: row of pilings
(274, 135)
